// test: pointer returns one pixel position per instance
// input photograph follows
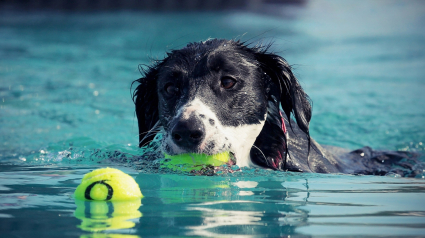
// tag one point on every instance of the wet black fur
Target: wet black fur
(271, 75)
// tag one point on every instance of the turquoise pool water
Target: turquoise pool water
(65, 106)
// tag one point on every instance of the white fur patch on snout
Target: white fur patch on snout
(218, 138)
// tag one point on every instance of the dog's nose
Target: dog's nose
(188, 133)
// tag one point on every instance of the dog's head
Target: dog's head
(221, 95)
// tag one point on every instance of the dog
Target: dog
(225, 95)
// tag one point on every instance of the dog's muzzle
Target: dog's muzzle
(188, 133)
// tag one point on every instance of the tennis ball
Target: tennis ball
(192, 161)
(107, 184)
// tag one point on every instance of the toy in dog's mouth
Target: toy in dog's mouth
(201, 164)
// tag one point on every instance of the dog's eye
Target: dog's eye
(227, 82)
(171, 89)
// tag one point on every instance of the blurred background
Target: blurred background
(146, 5)
(66, 67)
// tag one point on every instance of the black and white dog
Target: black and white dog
(222, 95)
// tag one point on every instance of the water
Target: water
(65, 107)
(37, 201)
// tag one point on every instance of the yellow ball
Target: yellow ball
(107, 184)
(192, 161)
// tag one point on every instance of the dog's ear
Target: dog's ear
(292, 96)
(145, 98)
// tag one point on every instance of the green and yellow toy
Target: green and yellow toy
(107, 184)
(107, 199)
(191, 161)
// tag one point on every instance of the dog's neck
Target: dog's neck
(245, 137)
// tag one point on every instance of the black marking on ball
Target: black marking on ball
(212, 122)
(89, 188)
(202, 116)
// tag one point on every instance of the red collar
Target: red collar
(283, 122)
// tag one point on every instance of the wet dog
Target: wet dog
(223, 95)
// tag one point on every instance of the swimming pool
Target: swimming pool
(66, 105)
